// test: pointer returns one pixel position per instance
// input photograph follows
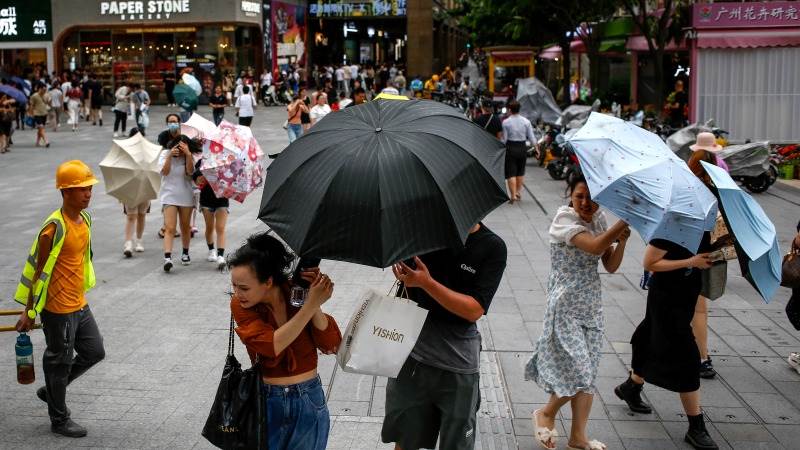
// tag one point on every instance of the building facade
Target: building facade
(25, 36)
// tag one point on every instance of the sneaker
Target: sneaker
(221, 263)
(194, 231)
(128, 249)
(185, 260)
(794, 361)
(212, 256)
(115, 134)
(139, 247)
(167, 264)
(707, 370)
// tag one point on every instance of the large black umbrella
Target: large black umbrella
(381, 182)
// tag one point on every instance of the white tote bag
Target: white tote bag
(380, 335)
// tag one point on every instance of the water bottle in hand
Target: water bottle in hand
(24, 351)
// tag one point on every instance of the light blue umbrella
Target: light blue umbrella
(632, 173)
(756, 239)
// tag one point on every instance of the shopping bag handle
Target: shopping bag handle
(399, 290)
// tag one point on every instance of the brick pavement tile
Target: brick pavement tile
(790, 390)
(648, 444)
(772, 408)
(519, 390)
(509, 332)
(773, 369)
(744, 379)
(747, 345)
(668, 406)
(677, 431)
(775, 335)
(351, 387)
(787, 435)
(719, 414)
(742, 432)
(728, 326)
(346, 408)
(715, 393)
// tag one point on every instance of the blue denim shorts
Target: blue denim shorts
(297, 415)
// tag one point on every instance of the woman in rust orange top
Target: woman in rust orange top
(285, 340)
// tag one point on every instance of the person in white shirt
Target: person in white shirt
(266, 82)
(321, 109)
(238, 91)
(516, 130)
(344, 101)
(341, 86)
(56, 104)
(244, 105)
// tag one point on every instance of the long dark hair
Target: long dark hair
(267, 256)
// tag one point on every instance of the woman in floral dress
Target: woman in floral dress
(567, 355)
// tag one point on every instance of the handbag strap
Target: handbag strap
(230, 338)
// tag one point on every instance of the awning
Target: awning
(612, 45)
(576, 46)
(639, 44)
(783, 37)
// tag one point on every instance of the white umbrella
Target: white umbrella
(130, 170)
(192, 82)
(198, 126)
(631, 172)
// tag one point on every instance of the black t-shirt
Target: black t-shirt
(447, 341)
(676, 114)
(218, 100)
(491, 123)
(97, 91)
(683, 278)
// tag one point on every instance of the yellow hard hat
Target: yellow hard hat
(73, 174)
(435, 77)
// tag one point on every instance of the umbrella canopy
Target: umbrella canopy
(198, 126)
(384, 181)
(24, 85)
(14, 93)
(631, 172)
(232, 161)
(192, 82)
(754, 234)
(130, 170)
(185, 96)
(536, 101)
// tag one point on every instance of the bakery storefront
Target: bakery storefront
(145, 41)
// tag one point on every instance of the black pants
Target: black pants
(137, 120)
(66, 334)
(120, 117)
(218, 115)
(246, 121)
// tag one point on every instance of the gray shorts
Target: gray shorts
(425, 402)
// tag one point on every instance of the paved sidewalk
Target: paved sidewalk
(165, 334)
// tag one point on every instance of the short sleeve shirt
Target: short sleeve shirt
(447, 341)
(245, 104)
(491, 123)
(567, 224)
(65, 293)
(176, 187)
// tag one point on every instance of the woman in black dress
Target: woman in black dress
(664, 349)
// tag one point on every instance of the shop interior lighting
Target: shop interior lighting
(380, 33)
(370, 31)
(349, 28)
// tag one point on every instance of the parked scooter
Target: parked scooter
(558, 167)
(271, 97)
(751, 165)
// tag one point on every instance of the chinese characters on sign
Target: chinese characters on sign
(731, 15)
(8, 21)
(366, 8)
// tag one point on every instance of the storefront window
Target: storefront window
(95, 57)
(159, 60)
(128, 58)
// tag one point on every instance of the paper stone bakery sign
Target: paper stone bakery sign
(145, 10)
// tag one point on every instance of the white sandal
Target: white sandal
(591, 445)
(544, 434)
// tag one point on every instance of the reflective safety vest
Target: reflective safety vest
(40, 285)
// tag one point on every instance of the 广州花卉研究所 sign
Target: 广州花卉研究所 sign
(144, 9)
(25, 20)
(746, 15)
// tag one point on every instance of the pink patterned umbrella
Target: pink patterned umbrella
(232, 161)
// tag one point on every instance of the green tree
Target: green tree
(659, 26)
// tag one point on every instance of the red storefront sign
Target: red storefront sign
(746, 15)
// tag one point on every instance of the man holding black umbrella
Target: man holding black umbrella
(437, 392)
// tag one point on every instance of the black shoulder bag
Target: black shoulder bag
(237, 419)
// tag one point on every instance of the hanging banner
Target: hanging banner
(288, 34)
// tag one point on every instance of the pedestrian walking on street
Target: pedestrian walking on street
(177, 195)
(122, 99)
(8, 111)
(56, 277)
(169, 85)
(217, 103)
(436, 395)
(305, 117)
(56, 105)
(489, 121)
(792, 306)
(294, 128)
(516, 130)
(665, 352)
(215, 214)
(96, 104)
(37, 108)
(244, 107)
(135, 216)
(321, 109)
(73, 94)
(567, 355)
(283, 340)
(141, 104)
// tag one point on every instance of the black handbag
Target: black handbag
(793, 309)
(237, 419)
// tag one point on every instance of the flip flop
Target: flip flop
(544, 435)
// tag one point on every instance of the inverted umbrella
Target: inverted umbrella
(756, 241)
(536, 101)
(232, 161)
(383, 181)
(631, 172)
(23, 85)
(185, 96)
(198, 126)
(14, 93)
(131, 171)
(192, 82)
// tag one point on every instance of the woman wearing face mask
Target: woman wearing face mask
(284, 340)
(177, 196)
(567, 355)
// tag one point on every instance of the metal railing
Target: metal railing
(12, 312)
